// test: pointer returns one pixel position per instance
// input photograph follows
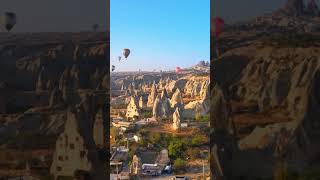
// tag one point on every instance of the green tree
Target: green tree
(155, 138)
(176, 148)
(179, 165)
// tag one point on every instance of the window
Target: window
(82, 153)
(60, 158)
(71, 146)
(59, 168)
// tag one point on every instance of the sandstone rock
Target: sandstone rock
(130, 91)
(50, 85)
(96, 78)
(133, 110)
(162, 108)
(70, 153)
(75, 77)
(142, 104)
(105, 82)
(176, 99)
(292, 8)
(98, 130)
(204, 89)
(64, 81)
(176, 119)
(152, 96)
(160, 84)
(174, 84)
(55, 98)
(41, 85)
(219, 112)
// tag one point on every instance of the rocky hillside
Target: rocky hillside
(43, 74)
(265, 103)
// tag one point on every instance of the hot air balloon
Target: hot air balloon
(8, 20)
(218, 29)
(178, 69)
(113, 68)
(119, 58)
(126, 52)
(218, 26)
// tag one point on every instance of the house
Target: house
(149, 163)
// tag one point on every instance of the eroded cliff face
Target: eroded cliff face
(41, 74)
(266, 99)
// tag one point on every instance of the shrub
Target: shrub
(176, 148)
(155, 138)
(179, 165)
(199, 140)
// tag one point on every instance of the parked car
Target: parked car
(168, 169)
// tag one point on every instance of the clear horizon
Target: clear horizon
(160, 34)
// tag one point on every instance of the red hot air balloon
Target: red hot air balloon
(218, 26)
(178, 69)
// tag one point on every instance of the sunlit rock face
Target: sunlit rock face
(152, 96)
(176, 119)
(133, 110)
(70, 153)
(176, 99)
(162, 107)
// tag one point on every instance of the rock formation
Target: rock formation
(136, 165)
(98, 130)
(55, 97)
(176, 99)
(204, 89)
(133, 110)
(130, 91)
(41, 83)
(176, 119)
(70, 153)
(75, 77)
(50, 85)
(192, 87)
(142, 104)
(64, 81)
(260, 93)
(312, 8)
(160, 84)
(161, 107)
(153, 95)
(292, 8)
(61, 70)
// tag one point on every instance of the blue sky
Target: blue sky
(161, 34)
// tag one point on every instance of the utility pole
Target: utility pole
(117, 171)
(203, 170)
(127, 143)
